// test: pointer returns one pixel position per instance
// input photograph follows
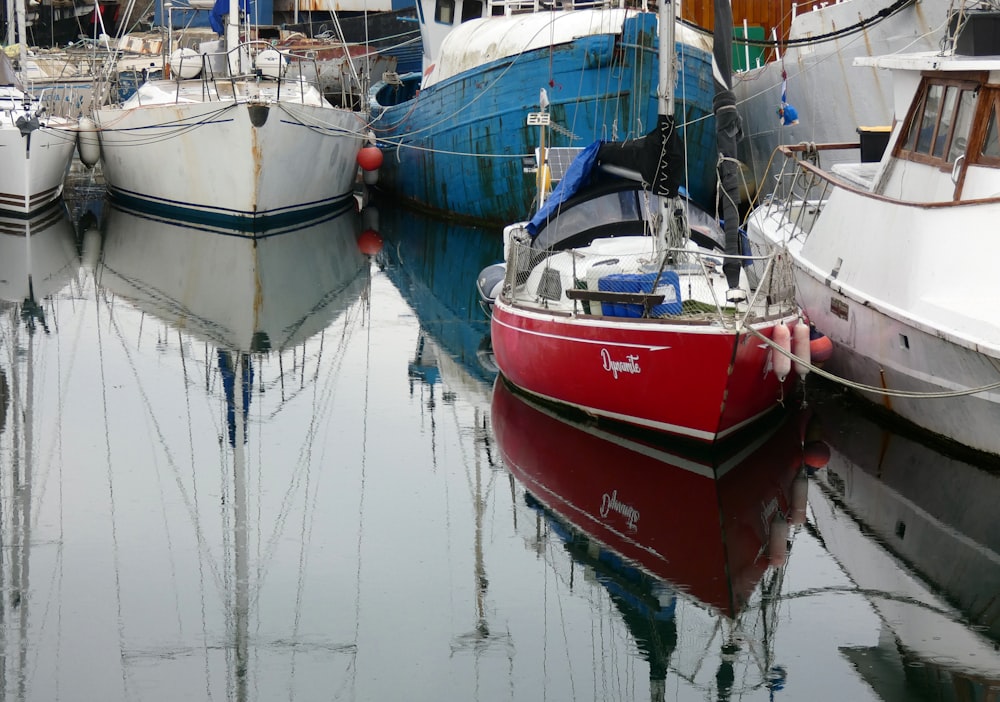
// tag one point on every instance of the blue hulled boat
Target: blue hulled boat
(457, 139)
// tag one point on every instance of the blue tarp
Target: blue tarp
(577, 175)
(219, 10)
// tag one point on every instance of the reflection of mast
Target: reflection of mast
(237, 405)
(480, 638)
(22, 436)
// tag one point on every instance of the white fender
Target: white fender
(782, 364)
(185, 63)
(87, 144)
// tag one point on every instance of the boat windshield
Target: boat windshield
(580, 220)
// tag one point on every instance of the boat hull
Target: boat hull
(207, 162)
(702, 383)
(33, 171)
(894, 323)
(874, 348)
(459, 146)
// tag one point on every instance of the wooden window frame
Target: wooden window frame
(959, 81)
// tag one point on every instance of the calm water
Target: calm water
(283, 472)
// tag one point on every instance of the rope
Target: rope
(871, 388)
(857, 27)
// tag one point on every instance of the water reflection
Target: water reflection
(270, 470)
(241, 296)
(916, 531)
(38, 256)
(691, 547)
(253, 303)
(434, 265)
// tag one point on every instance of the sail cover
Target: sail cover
(657, 158)
(728, 132)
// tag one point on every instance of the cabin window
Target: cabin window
(939, 126)
(929, 120)
(588, 216)
(991, 144)
(472, 9)
(444, 11)
(964, 111)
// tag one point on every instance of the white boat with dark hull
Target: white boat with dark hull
(36, 147)
(891, 258)
(231, 140)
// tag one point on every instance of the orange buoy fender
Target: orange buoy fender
(820, 346)
(370, 158)
(816, 454)
(781, 363)
(370, 242)
(800, 347)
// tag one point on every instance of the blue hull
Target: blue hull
(458, 148)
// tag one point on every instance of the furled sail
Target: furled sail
(728, 132)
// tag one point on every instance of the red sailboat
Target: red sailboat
(620, 300)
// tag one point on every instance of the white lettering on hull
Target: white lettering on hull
(630, 365)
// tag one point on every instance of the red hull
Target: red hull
(698, 523)
(699, 382)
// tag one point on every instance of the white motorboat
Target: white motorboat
(891, 257)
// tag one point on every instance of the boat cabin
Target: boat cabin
(946, 145)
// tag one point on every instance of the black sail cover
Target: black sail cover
(728, 133)
(658, 157)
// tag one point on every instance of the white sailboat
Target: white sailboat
(35, 147)
(229, 139)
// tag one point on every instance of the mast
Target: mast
(22, 37)
(235, 60)
(673, 230)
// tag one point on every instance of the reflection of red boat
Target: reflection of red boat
(702, 524)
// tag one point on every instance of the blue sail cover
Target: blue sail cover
(577, 175)
(219, 10)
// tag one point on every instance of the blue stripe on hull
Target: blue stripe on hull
(234, 222)
(428, 140)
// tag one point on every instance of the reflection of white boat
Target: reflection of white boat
(38, 255)
(933, 517)
(38, 258)
(915, 531)
(240, 295)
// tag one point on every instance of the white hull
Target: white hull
(205, 159)
(893, 322)
(32, 171)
